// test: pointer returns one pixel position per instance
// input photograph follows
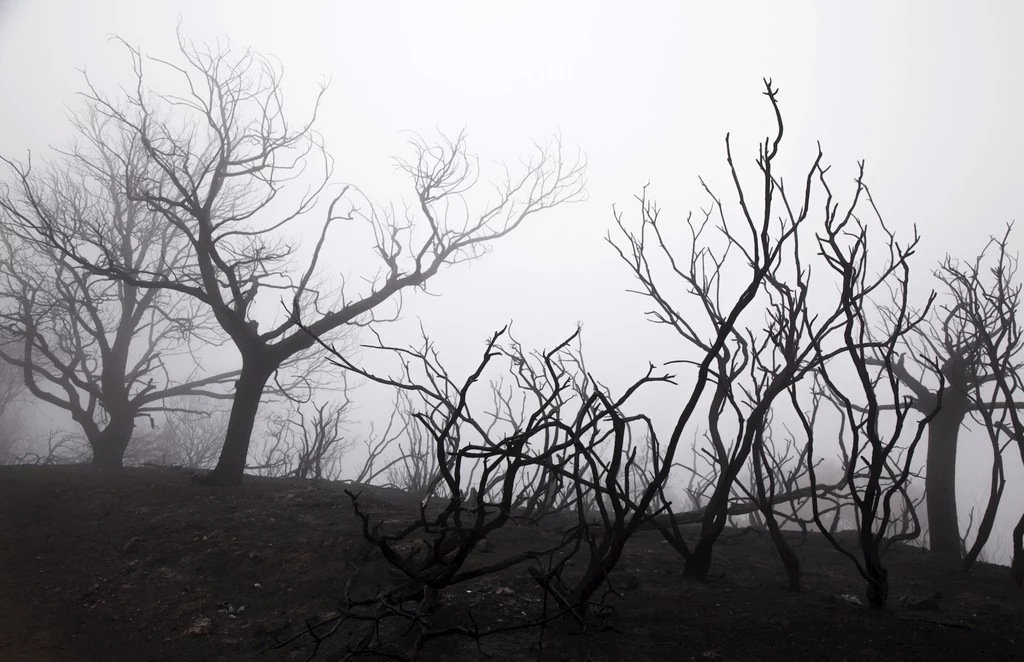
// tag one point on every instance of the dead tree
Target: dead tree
(323, 441)
(542, 492)
(378, 445)
(877, 467)
(953, 335)
(745, 370)
(59, 448)
(190, 434)
(986, 301)
(272, 455)
(703, 475)
(415, 469)
(107, 352)
(218, 152)
(575, 431)
(877, 474)
(307, 444)
(12, 424)
(996, 422)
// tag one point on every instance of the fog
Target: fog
(926, 93)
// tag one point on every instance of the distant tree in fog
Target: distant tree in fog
(107, 352)
(12, 386)
(978, 308)
(982, 319)
(215, 152)
(737, 291)
(189, 435)
(305, 441)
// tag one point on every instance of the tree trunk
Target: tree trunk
(878, 583)
(599, 566)
(699, 564)
(790, 561)
(244, 407)
(1017, 569)
(109, 445)
(940, 479)
(988, 520)
(788, 557)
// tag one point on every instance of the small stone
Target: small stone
(200, 627)
(851, 599)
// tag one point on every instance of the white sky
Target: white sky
(926, 92)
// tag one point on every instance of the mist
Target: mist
(925, 94)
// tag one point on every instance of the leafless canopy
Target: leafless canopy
(215, 157)
(106, 351)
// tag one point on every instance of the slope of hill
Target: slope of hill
(143, 565)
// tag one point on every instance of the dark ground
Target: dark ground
(98, 565)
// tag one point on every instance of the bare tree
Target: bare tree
(12, 424)
(574, 431)
(745, 370)
(308, 444)
(703, 475)
(415, 469)
(59, 448)
(377, 445)
(190, 434)
(322, 440)
(879, 467)
(273, 454)
(986, 299)
(105, 351)
(953, 337)
(217, 155)
(996, 423)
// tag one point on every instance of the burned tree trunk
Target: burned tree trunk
(997, 484)
(1017, 569)
(249, 391)
(940, 480)
(110, 443)
(876, 574)
(699, 564)
(786, 554)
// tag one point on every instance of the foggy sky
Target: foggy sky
(927, 93)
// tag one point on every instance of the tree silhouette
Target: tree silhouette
(983, 317)
(107, 352)
(217, 154)
(950, 349)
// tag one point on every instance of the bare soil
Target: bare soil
(143, 565)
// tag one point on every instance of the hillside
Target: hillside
(143, 565)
